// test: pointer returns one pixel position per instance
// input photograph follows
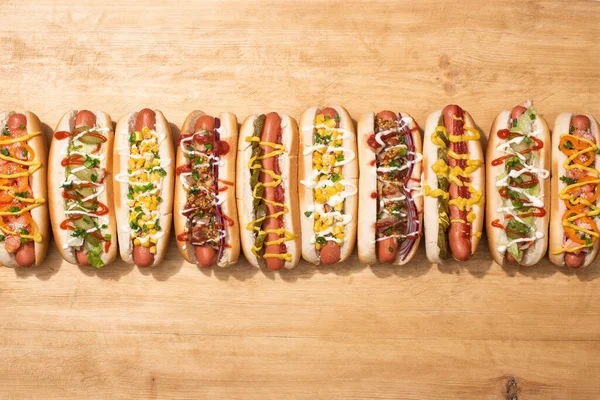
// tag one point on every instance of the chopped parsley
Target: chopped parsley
(161, 172)
(5, 152)
(321, 240)
(335, 178)
(79, 232)
(308, 213)
(13, 209)
(340, 158)
(568, 180)
(22, 194)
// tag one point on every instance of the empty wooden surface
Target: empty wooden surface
(351, 331)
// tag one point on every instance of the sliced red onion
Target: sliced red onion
(215, 165)
(412, 224)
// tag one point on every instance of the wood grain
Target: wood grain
(351, 331)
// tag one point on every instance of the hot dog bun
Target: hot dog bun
(431, 216)
(561, 127)
(349, 175)
(288, 162)
(125, 127)
(368, 188)
(56, 178)
(37, 182)
(496, 236)
(229, 133)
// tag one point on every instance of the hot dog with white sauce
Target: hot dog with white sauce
(576, 191)
(454, 184)
(518, 190)
(205, 214)
(24, 226)
(82, 209)
(267, 191)
(391, 197)
(144, 174)
(328, 176)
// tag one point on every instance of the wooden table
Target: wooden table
(351, 331)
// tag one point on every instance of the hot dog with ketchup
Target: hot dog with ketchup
(454, 185)
(391, 201)
(328, 176)
(574, 230)
(24, 228)
(266, 190)
(82, 210)
(518, 190)
(205, 214)
(144, 170)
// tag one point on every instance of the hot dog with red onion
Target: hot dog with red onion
(205, 214)
(391, 198)
(454, 177)
(24, 227)
(328, 176)
(574, 230)
(144, 174)
(266, 191)
(518, 190)
(82, 210)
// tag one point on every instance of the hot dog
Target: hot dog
(328, 176)
(266, 190)
(454, 184)
(144, 173)
(206, 224)
(82, 211)
(574, 231)
(391, 201)
(23, 210)
(518, 193)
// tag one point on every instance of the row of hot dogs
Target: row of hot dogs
(283, 191)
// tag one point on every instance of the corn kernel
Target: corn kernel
(339, 187)
(330, 191)
(340, 236)
(137, 242)
(330, 123)
(337, 170)
(328, 221)
(319, 119)
(339, 207)
(317, 216)
(317, 226)
(318, 246)
(153, 249)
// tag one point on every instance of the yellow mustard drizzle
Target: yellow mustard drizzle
(564, 195)
(442, 169)
(254, 163)
(35, 202)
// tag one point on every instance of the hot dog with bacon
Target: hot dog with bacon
(328, 176)
(266, 190)
(574, 230)
(454, 185)
(82, 210)
(518, 190)
(206, 223)
(391, 201)
(144, 169)
(23, 190)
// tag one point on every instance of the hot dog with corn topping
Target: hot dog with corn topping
(144, 173)
(328, 176)
(24, 227)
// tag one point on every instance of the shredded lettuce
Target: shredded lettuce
(94, 257)
(525, 123)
